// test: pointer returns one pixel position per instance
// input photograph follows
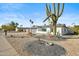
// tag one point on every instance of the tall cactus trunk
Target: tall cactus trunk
(57, 12)
(54, 28)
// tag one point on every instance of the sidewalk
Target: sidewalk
(6, 49)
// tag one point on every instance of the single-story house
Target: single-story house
(61, 29)
(45, 29)
(26, 29)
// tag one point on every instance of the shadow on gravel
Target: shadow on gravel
(71, 37)
(52, 38)
(40, 48)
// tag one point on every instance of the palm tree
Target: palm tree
(16, 24)
(57, 12)
(32, 26)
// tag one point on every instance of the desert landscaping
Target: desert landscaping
(45, 29)
(18, 41)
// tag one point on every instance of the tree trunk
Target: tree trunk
(5, 32)
(54, 28)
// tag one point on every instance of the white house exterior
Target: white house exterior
(27, 29)
(61, 29)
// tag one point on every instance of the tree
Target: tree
(75, 29)
(16, 24)
(54, 16)
(13, 24)
(4, 27)
(32, 26)
(10, 27)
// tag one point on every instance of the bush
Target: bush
(75, 29)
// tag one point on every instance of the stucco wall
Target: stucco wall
(59, 31)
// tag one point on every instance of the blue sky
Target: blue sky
(23, 12)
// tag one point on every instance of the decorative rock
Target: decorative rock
(41, 49)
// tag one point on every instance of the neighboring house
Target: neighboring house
(26, 29)
(61, 29)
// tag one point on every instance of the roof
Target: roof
(58, 25)
(35, 26)
(26, 28)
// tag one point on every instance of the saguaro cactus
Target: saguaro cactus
(57, 12)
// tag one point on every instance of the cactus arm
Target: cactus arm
(47, 18)
(50, 10)
(58, 9)
(47, 10)
(54, 8)
(50, 21)
(61, 10)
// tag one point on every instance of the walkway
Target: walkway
(5, 48)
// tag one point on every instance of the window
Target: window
(43, 29)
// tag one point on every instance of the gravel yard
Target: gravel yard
(42, 48)
(70, 45)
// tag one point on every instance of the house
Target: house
(61, 29)
(45, 29)
(26, 29)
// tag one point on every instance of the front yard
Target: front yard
(71, 45)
